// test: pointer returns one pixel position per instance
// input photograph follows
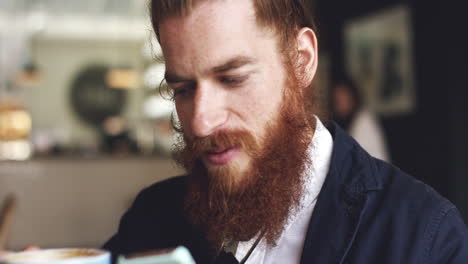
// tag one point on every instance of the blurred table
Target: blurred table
(70, 202)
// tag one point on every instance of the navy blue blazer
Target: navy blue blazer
(367, 212)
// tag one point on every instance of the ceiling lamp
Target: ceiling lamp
(29, 75)
(122, 78)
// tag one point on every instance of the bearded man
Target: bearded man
(266, 180)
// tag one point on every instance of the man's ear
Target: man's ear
(307, 52)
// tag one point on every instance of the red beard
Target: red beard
(226, 208)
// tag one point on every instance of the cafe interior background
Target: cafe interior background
(84, 125)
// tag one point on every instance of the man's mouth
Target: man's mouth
(221, 156)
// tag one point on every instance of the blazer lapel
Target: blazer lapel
(341, 202)
(332, 230)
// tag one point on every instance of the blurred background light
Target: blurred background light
(156, 107)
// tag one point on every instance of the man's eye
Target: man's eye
(233, 80)
(183, 91)
(179, 91)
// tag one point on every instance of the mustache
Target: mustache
(222, 140)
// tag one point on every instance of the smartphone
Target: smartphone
(178, 255)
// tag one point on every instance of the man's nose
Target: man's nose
(209, 112)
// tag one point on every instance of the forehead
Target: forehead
(220, 28)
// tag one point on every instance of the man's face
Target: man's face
(227, 75)
(245, 128)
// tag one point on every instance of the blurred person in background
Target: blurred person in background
(350, 112)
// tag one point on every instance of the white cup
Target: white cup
(58, 256)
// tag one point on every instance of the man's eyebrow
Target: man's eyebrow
(173, 78)
(233, 63)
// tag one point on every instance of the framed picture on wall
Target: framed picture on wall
(379, 59)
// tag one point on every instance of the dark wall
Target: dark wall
(430, 143)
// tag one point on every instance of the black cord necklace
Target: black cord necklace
(225, 257)
(251, 249)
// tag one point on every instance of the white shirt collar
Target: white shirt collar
(291, 241)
